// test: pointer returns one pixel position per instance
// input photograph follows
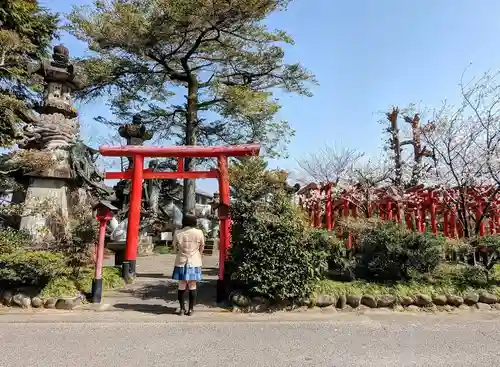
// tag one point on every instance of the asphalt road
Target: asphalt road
(383, 340)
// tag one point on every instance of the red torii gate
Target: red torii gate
(137, 174)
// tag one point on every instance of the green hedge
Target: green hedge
(11, 240)
(389, 252)
(273, 253)
(22, 267)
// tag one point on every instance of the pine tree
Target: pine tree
(26, 31)
(217, 56)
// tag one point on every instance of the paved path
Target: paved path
(242, 340)
(155, 292)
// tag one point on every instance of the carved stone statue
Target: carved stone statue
(153, 188)
(214, 204)
(118, 230)
(83, 164)
(57, 125)
(174, 213)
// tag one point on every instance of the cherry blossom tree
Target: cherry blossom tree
(329, 164)
(366, 183)
(466, 141)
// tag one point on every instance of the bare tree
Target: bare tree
(409, 169)
(466, 141)
(329, 164)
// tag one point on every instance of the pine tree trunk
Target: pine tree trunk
(189, 192)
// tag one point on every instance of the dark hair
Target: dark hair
(189, 220)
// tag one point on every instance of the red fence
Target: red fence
(422, 209)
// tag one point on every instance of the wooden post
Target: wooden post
(224, 227)
(103, 214)
(134, 219)
(432, 202)
(97, 282)
(453, 223)
(317, 210)
(328, 207)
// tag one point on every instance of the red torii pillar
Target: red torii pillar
(138, 174)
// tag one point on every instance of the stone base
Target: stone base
(146, 246)
(53, 194)
(61, 169)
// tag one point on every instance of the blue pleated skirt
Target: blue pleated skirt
(186, 273)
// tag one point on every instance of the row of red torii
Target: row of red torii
(422, 208)
(138, 173)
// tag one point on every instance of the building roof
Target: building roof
(201, 192)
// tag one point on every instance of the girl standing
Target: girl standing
(189, 243)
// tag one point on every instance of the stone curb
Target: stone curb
(419, 302)
(24, 301)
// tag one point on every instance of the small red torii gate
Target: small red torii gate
(137, 174)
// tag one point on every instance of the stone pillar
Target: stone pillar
(135, 133)
(53, 193)
(53, 131)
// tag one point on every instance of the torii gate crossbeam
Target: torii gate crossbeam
(137, 174)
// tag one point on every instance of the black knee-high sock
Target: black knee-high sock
(180, 297)
(192, 298)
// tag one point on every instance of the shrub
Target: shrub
(387, 252)
(487, 249)
(12, 240)
(22, 267)
(457, 250)
(340, 261)
(460, 274)
(270, 254)
(79, 252)
(77, 239)
(69, 286)
(60, 287)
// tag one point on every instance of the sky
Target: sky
(368, 55)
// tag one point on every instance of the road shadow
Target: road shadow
(166, 293)
(152, 275)
(145, 308)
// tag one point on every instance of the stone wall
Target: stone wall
(419, 302)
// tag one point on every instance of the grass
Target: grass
(111, 279)
(60, 287)
(447, 280)
(162, 250)
(68, 287)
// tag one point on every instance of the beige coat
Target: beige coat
(189, 243)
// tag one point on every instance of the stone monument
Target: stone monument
(135, 133)
(54, 130)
